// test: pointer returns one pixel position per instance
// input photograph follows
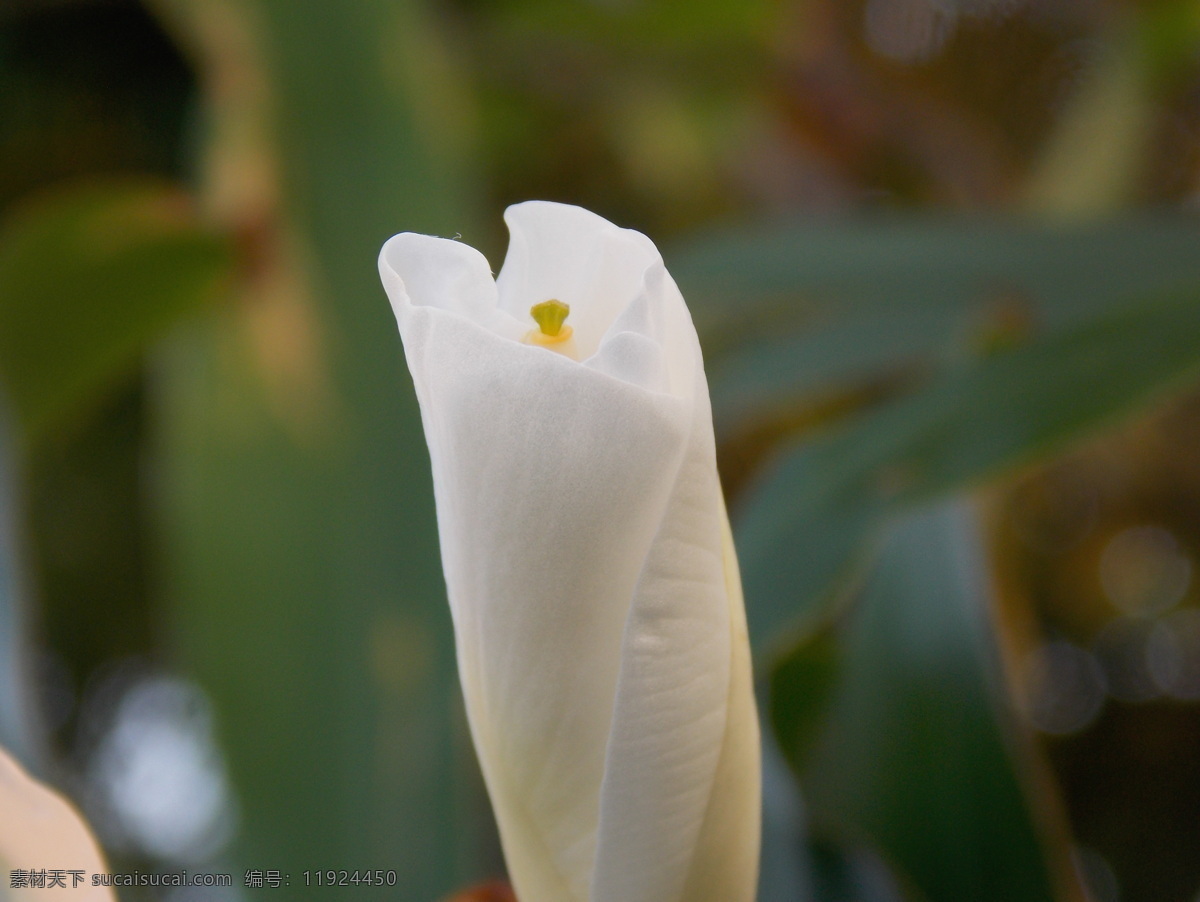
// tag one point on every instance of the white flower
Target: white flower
(39, 830)
(596, 602)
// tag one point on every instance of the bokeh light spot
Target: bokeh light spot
(1143, 571)
(159, 772)
(1064, 688)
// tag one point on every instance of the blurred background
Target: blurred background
(945, 262)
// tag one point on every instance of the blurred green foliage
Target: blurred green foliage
(919, 753)
(306, 585)
(806, 524)
(88, 279)
(221, 467)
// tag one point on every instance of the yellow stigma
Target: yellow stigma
(552, 332)
(550, 316)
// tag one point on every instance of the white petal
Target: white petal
(550, 481)
(565, 252)
(445, 274)
(672, 719)
(39, 830)
(580, 518)
(725, 860)
(668, 354)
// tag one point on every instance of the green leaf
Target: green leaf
(794, 313)
(803, 529)
(846, 873)
(802, 691)
(920, 756)
(89, 277)
(307, 587)
(848, 357)
(783, 867)
(764, 279)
